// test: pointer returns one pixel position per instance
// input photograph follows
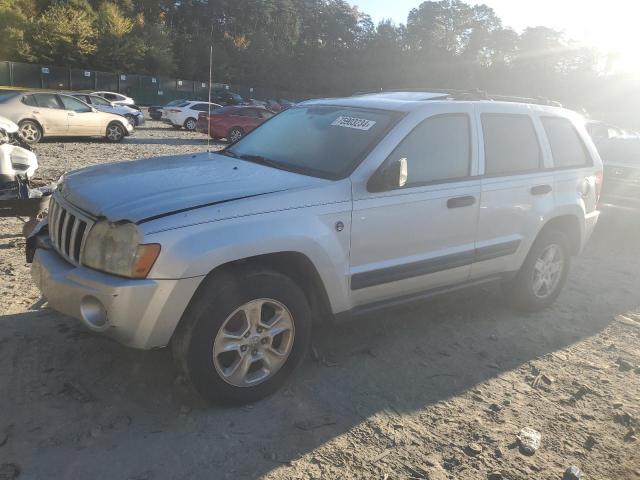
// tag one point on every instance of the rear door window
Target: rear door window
(510, 144)
(567, 147)
(201, 107)
(47, 100)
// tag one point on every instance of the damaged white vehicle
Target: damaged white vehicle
(331, 209)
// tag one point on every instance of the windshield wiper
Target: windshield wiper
(259, 159)
(228, 153)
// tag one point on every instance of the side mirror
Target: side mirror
(393, 175)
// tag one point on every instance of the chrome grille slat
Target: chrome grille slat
(72, 244)
(64, 237)
(68, 229)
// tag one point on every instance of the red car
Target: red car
(233, 122)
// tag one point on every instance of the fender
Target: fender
(196, 250)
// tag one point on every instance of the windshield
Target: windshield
(322, 141)
(96, 100)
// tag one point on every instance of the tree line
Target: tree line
(325, 47)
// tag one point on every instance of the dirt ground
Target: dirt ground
(436, 391)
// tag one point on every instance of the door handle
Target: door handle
(541, 189)
(71, 114)
(459, 202)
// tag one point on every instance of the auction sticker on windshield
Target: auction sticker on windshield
(353, 122)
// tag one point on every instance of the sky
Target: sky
(613, 25)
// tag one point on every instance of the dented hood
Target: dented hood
(152, 188)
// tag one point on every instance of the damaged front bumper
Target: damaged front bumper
(137, 313)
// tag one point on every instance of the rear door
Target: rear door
(421, 236)
(51, 114)
(517, 188)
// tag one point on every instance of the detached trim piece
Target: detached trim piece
(433, 265)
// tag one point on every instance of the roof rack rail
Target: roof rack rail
(469, 95)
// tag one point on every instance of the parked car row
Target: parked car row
(51, 114)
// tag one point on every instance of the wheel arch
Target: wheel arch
(119, 122)
(569, 225)
(31, 119)
(295, 265)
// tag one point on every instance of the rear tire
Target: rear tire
(542, 275)
(30, 131)
(231, 356)
(235, 134)
(115, 132)
(190, 124)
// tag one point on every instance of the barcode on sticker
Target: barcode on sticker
(353, 122)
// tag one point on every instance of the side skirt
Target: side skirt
(415, 298)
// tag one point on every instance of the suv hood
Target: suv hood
(143, 190)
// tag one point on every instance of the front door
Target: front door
(419, 236)
(82, 119)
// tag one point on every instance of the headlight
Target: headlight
(115, 248)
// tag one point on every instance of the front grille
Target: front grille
(68, 230)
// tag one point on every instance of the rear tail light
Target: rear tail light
(599, 182)
(173, 110)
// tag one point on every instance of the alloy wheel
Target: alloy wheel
(114, 133)
(235, 135)
(30, 132)
(191, 124)
(547, 271)
(253, 342)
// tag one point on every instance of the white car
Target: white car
(116, 98)
(186, 114)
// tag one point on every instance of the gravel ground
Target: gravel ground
(436, 391)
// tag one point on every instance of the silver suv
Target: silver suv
(331, 209)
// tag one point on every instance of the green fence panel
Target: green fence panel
(5, 73)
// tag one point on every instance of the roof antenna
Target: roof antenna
(209, 105)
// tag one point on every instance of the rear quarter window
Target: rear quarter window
(567, 148)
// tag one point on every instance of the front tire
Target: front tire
(115, 132)
(543, 273)
(243, 335)
(30, 131)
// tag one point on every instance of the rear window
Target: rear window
(567, 147)
(510, 144)
(5, 97)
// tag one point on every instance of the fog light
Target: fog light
(93, 313)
